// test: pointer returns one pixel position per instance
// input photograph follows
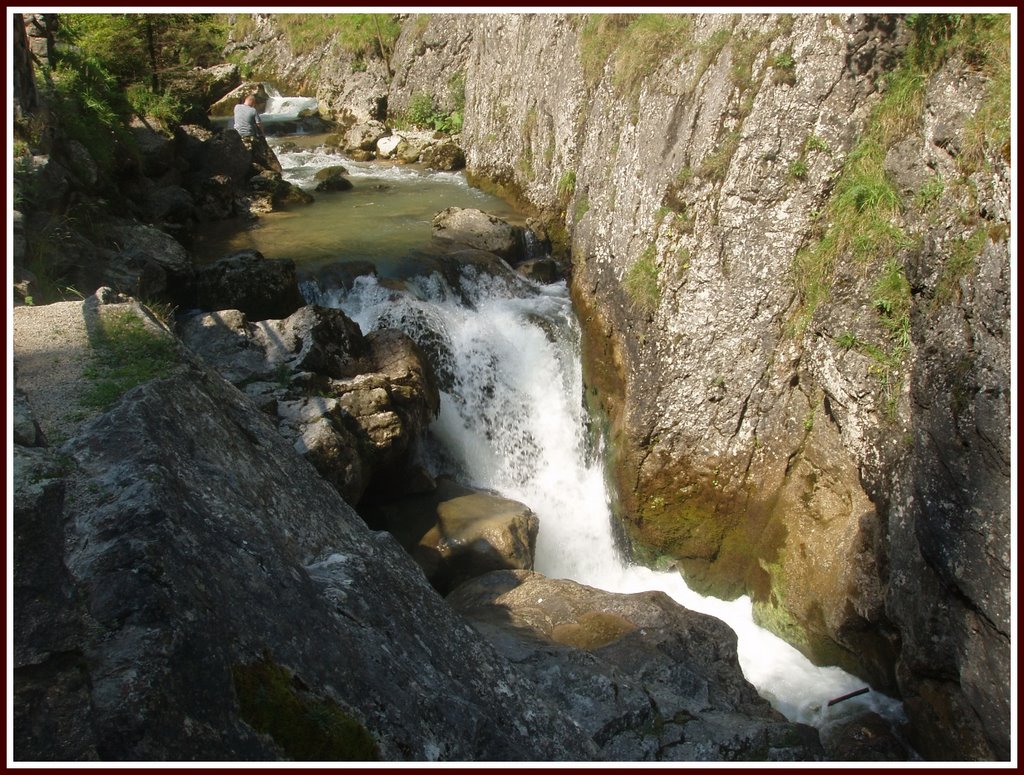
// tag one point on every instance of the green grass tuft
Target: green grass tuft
(641, 281)
(126, 353)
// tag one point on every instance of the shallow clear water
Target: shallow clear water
(512, 413)
(384, 217)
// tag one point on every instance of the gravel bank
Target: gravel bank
(51, 351)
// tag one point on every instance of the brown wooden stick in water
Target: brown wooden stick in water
(857, 693)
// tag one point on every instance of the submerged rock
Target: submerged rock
(477, 230)
(332, 179)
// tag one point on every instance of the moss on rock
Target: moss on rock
(307, 728)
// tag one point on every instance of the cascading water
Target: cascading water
(513, 420)
(287, 107)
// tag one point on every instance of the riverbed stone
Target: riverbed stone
(456, 533)
(261, 288)
(364, 137)
(476, 229)
(445, 156)
(333, 178)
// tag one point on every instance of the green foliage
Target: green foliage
(127, 353)
(636, 43)
(567, 185)
(983, 42)
(815, 143)
(424, 113)
(863, 208)
(708, 51)
(847, 340)
(361, 35)
(166, 107)
(582, 208)
(601, 35)
(87, 105)
(798, 169)
(649, 40)
(958, 264)
(641, 281)
(930, 193)
(457, 91)
(716, 164)
(784, 68)
(307, 727)
(147, 48)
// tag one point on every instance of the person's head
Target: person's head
(250, 100)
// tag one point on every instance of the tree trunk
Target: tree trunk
(151, 46)
(26, 100)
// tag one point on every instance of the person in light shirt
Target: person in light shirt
(247, 118)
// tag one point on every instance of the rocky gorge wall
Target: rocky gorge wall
(793, 268)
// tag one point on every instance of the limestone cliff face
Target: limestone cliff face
(828, 431)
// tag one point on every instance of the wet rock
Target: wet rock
(863, 737)
(541, 270)
(261, 288)
(646, 678)
(445, 156)
(332, 179)
(476, 229)
(457, 533)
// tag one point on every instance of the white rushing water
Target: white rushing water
(513, 420)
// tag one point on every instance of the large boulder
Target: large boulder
(150, 264)
(479, 230)
(353, 405)
(646, 678)
(445, 156)
(457, 533)
(261, 288)
(201, 593)
(364, 137)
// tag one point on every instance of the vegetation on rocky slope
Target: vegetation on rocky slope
(863, 214)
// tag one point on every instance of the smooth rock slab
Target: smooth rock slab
(647, 678)
(205, 561)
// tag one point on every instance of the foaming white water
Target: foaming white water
(512, 420)
(287, 107)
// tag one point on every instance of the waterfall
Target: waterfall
(513, 420)
(282, 107)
